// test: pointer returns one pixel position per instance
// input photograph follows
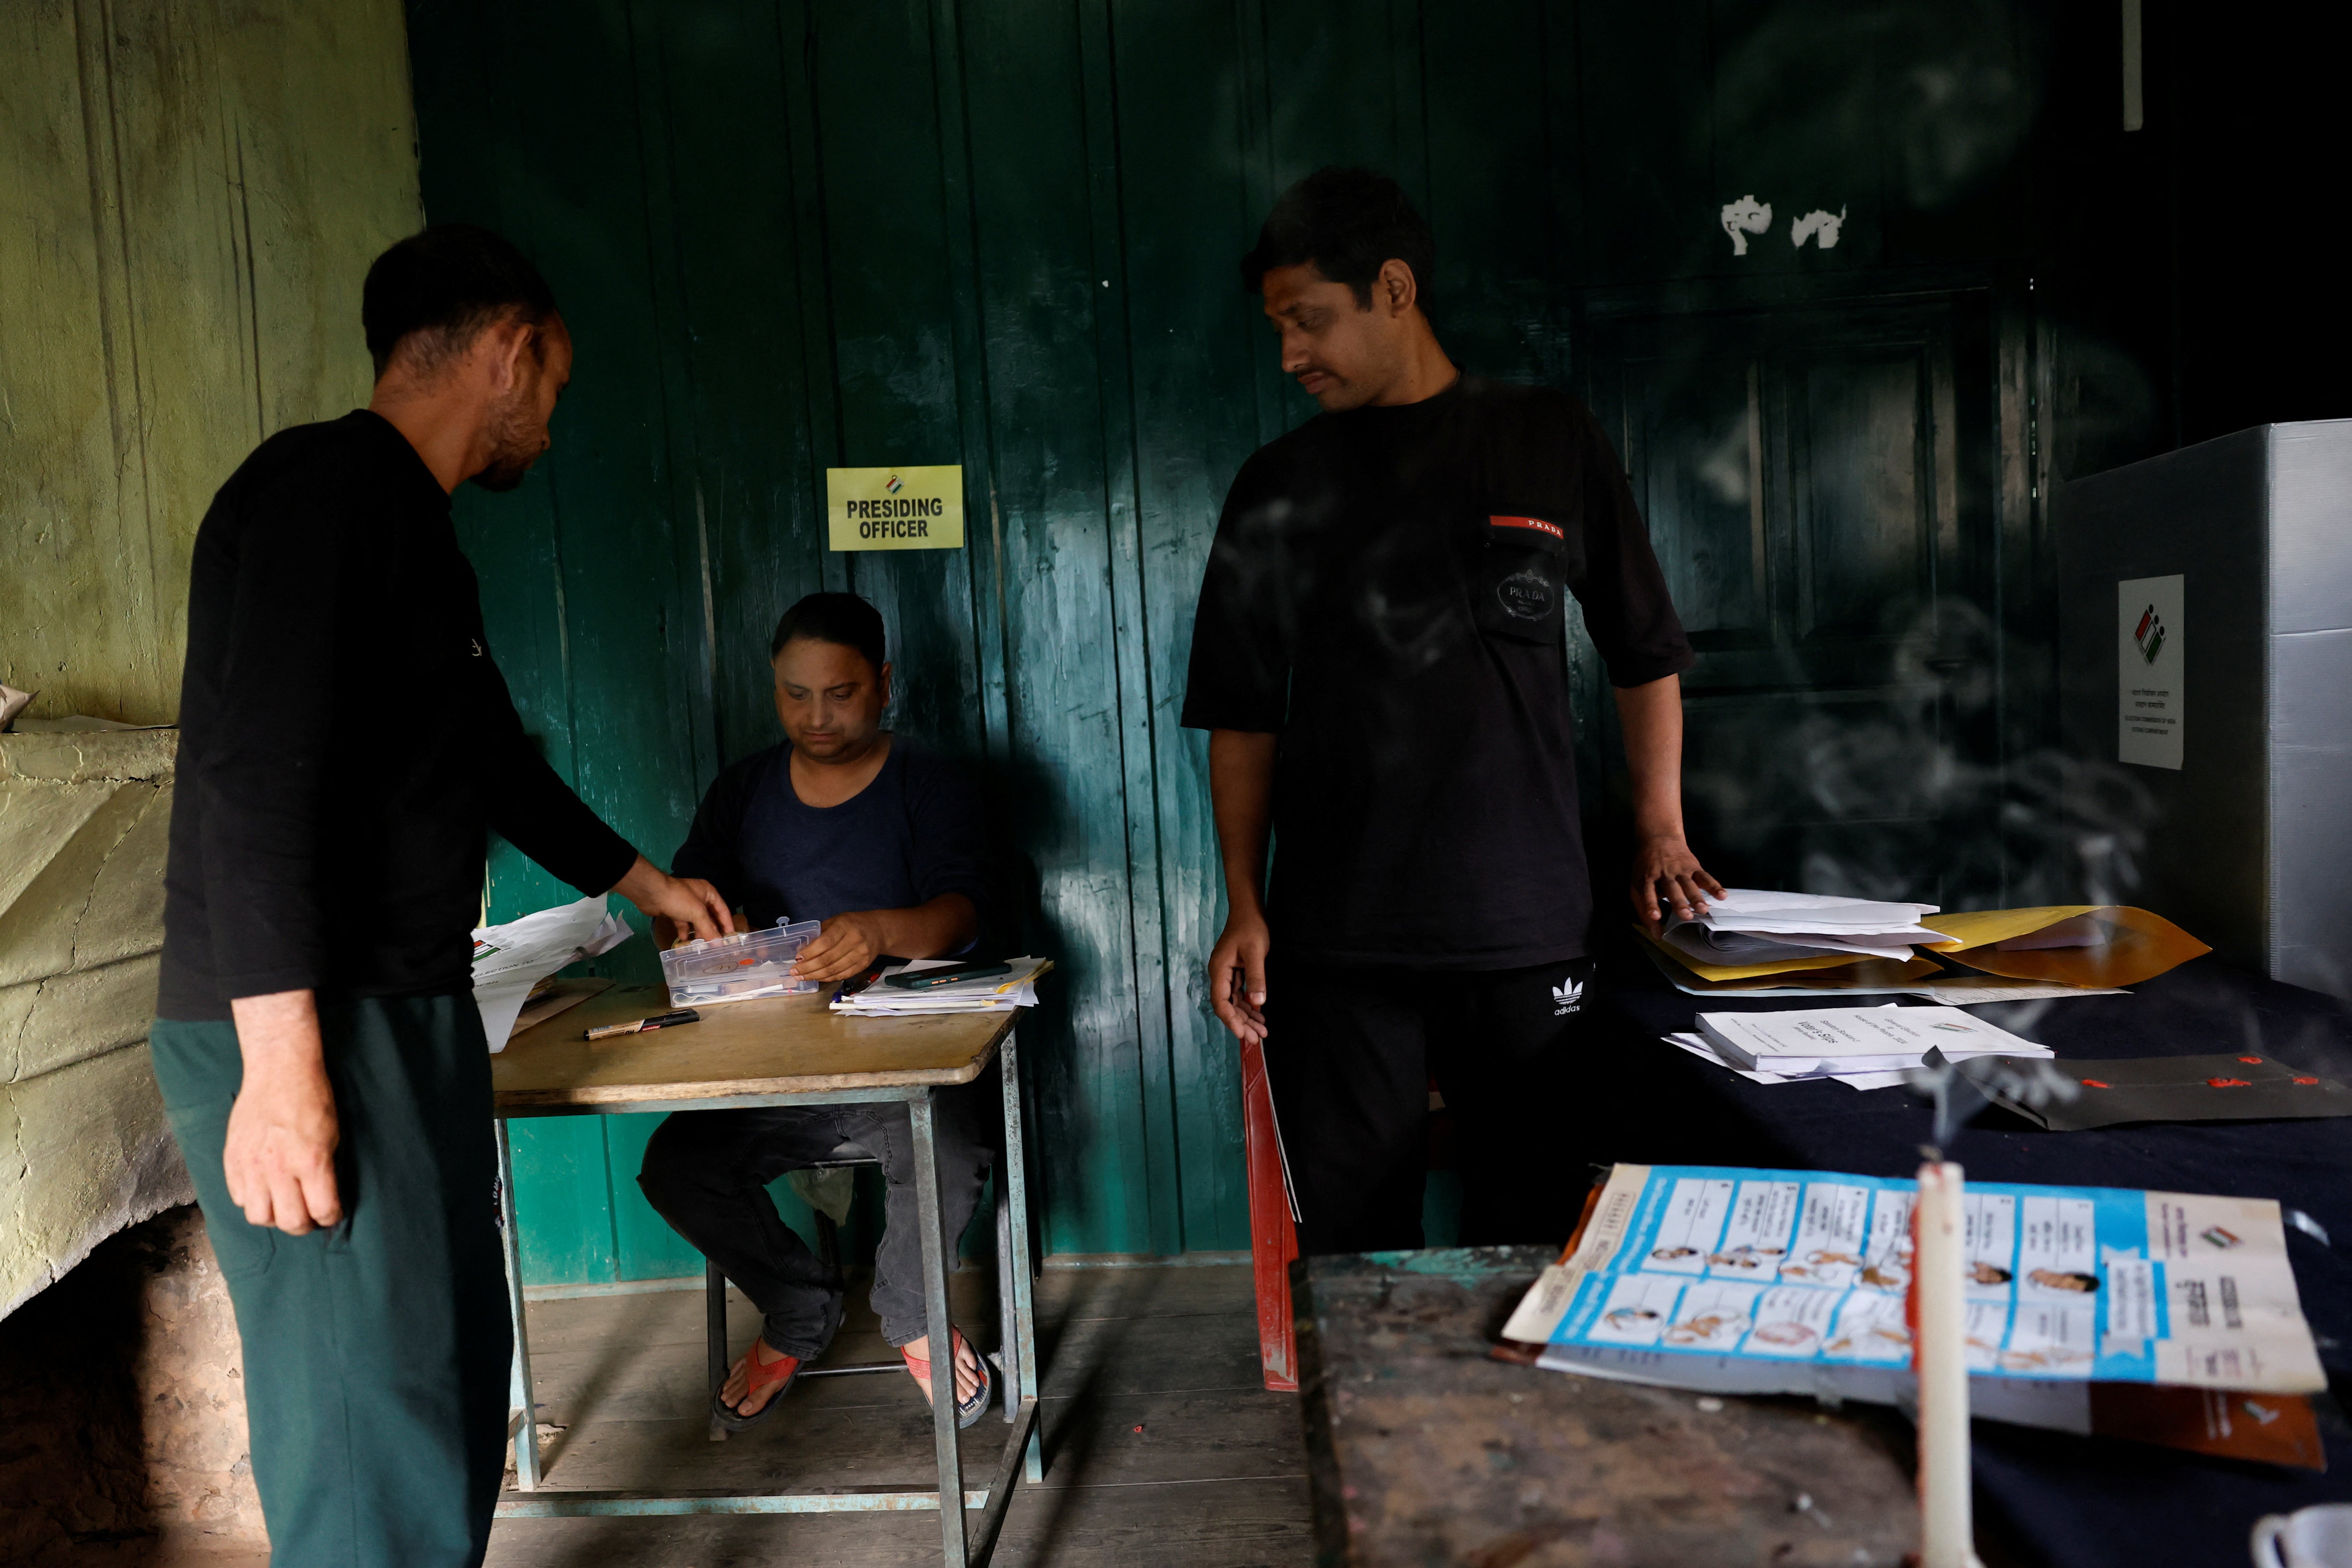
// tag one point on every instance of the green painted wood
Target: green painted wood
(806, 233)
(1038, 295)
(749, 435)
(564, 1211)
(1195, 345)
(1487, 115)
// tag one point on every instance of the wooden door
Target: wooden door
(1818, 482)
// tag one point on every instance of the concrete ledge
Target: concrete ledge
(84, 1151)
(85, 879)
(85, 818)
(47, 1026)
(84, 755)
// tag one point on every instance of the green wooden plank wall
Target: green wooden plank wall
(805, 233)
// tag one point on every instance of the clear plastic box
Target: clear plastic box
(739, 967)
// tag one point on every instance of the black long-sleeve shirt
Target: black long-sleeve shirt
(345, 739)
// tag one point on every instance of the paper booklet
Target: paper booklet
(513, 959)
(1726, 1281)
(1856, 1039)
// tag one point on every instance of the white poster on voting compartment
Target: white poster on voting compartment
(2149, 668)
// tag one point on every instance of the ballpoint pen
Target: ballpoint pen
(637, 1026)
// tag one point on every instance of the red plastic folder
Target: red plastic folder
(1274, 1239)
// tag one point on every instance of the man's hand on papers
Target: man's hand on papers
(279, 1156)
(689, 903)
(1237, 977)
(1664, 864)
(849, 942)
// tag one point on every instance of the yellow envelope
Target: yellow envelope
(1720, 971)
(1855, 974)
(2139, 945)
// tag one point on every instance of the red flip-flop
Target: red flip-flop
(981, 1397)
(764, 1375)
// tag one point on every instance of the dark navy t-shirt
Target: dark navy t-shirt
(913, 834)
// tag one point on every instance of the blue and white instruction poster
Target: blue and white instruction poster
(1748, 1281)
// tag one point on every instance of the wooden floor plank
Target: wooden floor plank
(1214, 1478)
(1143, 1292)
(1223, 1524)
(1150, 1355)
(811, 1442)
(675, 1317)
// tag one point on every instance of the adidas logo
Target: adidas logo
(1567, 998)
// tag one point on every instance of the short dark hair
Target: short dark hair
(1349, 222)
(447, 281)
(843, 618)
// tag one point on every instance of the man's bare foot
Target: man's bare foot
(747, 1395)
(967, 1367)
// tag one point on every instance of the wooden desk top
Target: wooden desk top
(1420, 1450)
(785, 1044)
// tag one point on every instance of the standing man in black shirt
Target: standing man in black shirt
(1378, 659)
(345, 744)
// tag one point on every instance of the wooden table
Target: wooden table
(1421, 1449)
(786, 1051)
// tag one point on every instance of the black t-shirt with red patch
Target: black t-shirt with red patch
(1385, 591)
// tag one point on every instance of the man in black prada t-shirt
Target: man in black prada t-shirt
(1380, 659)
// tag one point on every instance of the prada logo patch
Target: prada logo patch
(1535, 524)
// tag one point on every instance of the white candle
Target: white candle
(1939, 1354)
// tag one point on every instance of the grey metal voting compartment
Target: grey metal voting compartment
(2205, 645)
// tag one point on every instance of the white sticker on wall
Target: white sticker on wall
(1743, 217)
(2148, 684)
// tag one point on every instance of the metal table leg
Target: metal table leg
(522, 1415)
(1021, 1334)
(714, 1338)
(940, 1329)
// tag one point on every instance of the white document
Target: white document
(511, 959)
(1696, 1046)
(995, 994)
(1756, 910)
(2148, 684)
(1972, 989)
(1875, 1077)
(1751, 925)
(1737, 947)
(1856, 1039)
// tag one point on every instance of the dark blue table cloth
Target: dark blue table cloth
(2074, 1502)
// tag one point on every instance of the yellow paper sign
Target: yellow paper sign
(895, 508)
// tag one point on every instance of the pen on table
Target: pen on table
(637, 1026)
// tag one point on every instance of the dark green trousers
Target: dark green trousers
(377, 1353)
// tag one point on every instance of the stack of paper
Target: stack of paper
(512, 960)
(1746, 927)
(1864, 1048)
(997, 994)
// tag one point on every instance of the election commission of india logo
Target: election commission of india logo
(1567, 998)
(893, 485)
(2149, 635)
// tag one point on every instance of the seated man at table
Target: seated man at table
(882, 841)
